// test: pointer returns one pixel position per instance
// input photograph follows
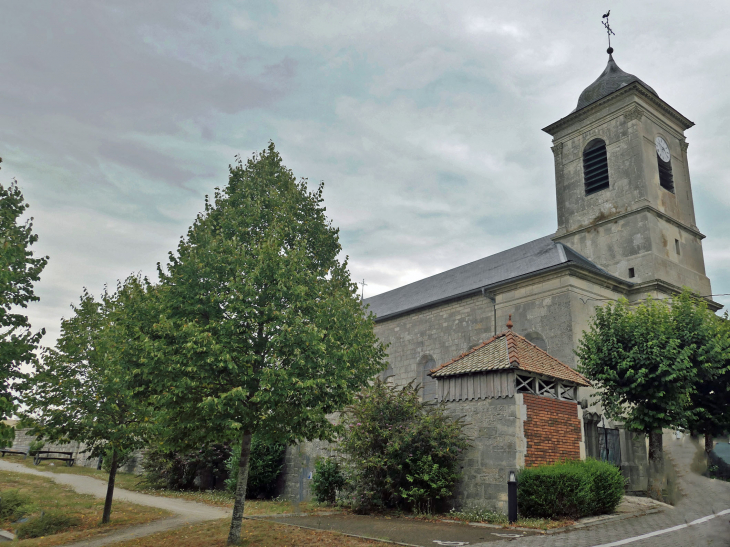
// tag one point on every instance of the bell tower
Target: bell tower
(624, 196)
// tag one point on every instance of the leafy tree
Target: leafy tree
(19, 270)
(260, 328)
(710, 399)
(646, 362)
(400, 451)
(85, 389)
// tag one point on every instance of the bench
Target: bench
(21, 451)
(41, 455)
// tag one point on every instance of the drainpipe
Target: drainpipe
(494, 307)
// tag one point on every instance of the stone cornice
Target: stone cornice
(667, 288)
(645, 207)
(634, 87)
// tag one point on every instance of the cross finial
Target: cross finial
(362, 295)
(609, 32)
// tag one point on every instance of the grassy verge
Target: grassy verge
(255, 534)
(217, 498)
(490, 517)
(48, 497)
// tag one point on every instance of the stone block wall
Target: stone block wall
(553, 430)
(495, 429)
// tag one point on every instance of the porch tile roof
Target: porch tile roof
(509, 351)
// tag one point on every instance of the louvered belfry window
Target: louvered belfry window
(666, 179)
(595, 166)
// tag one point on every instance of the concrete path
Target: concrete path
(403, 531)
(683, 526)
(187, 512)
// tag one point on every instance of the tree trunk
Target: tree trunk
(709, 445)
(110, 489)
(656, 465)
(234, 535)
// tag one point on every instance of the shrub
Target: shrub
(47, 524)
(265, 463)
(400, 451)
(328, 480)
(13, 505)
(179, 470)
(35, 446)
(570, 489)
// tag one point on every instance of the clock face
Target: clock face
(662, 149)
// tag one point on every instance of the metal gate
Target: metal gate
(608, 446)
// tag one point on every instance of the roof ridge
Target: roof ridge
(512, 354)
(468, 352)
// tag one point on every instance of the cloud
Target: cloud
(423, 119)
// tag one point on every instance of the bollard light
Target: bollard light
(512, 497)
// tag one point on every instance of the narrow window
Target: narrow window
(676, 246)
(664, 162)
(631, 272)
(595, 167)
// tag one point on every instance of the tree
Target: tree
(19, 270)
(710, 399)
(260, 328)
(85, 389)
(646, 362)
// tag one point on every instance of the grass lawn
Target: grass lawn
(47, 496)
(255, 533)
(132, 482)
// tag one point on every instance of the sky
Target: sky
(423, 119)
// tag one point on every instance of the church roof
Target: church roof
(611, 79)
(509, 351)
(522, 260)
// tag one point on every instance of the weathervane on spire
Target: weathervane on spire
(608, 31)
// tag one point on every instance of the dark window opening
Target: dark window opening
(666, 179)
(595, 167)
(632, 273)
(676, 246)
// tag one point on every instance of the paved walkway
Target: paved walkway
(187, 512)
(700, 497)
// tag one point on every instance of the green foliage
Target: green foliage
(479, 514)
(572, 489)
(400, 451)
(35, 446)
(19, 271)
(173, 470)
(328, 480)
(265, 463)
(710, 399)
(259, 328)
(647, 360)
(13, 505)
(47, 524)
(87, 389)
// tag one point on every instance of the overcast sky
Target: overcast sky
(423, 118)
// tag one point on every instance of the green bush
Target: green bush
(572, 489)
(265, 463)
(178, 470)
(328, 480)
(13, 505)
(47, 524)
(35, 446)
(400, 451)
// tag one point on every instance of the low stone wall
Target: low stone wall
(23, 440)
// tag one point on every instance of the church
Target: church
(494, 338)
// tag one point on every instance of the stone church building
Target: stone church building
(626, 227)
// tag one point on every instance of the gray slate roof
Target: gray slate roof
(519, 261)
(611, 79)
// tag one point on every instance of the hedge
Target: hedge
(571, 489)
